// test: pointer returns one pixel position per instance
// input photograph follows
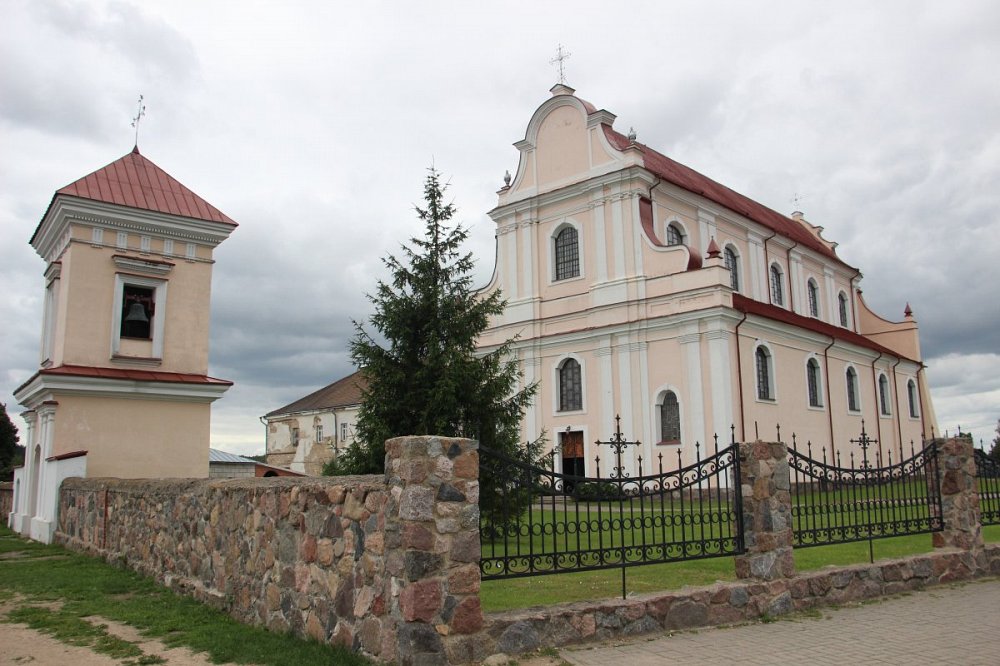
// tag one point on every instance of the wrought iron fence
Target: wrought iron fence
(988, 479)
(835, 503)
(545, 522)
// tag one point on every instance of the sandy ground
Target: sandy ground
(22, 645)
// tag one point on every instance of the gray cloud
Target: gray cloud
(312, 127)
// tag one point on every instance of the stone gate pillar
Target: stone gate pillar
(767, 512)
(959, 496)
(432, 549)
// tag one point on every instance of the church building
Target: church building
(639, 287)
(122, 389)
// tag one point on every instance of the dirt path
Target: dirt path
(23, 645)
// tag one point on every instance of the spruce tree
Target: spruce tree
(426, 378)
(11, 454)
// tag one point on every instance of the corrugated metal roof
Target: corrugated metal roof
(137, 182)
(217, 456)
(341, 393)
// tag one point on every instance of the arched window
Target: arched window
(852, 391)
(777, 289)
(812, 383)
(567, 248)
(765, 387)
(813, 291)
(732, 263)
(842, 303)
(883, 395)
(670, 418)
(570, 386)
(911, 394)
(675, 236)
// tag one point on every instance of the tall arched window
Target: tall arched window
(812, 383)
(883, 395)
(777, 289)
(570, 386)
(674, 235)
(911, 394)
(852, 391)
(732, 263)
(813, 291)
(567, 250)
(842, 303)
(670, 418)
(765, 387)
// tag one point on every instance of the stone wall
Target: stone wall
(384, 565)
(6, 499)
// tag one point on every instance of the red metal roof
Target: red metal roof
(126, 373)
(750, 306)
(137, 182)
(692, 181)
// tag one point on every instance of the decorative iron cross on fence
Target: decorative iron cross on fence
(618, 445)
(864, 441)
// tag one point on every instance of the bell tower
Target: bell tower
(123, 387)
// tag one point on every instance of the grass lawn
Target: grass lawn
(501, 595)
(85, 586)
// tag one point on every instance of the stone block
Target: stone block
(464, 579)
(468, 616)
(518, 638)
(417, 503)
(465, 547)
(421, 601)
(686, 614)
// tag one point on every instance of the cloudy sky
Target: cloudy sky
(312, 123)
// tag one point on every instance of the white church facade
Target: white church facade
(637, 286)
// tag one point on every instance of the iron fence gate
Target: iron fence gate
(833, 503)
(988, 479)
(539, 521)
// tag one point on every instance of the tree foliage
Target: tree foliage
(426, 378)
(11, 455)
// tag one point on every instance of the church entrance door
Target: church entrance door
(571, 445)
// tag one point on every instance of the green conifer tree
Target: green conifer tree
(11, 454)
(995, 451)
(426, 378)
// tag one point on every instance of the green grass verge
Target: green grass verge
(511, 594)
(88, 587)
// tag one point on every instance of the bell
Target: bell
(136, 313)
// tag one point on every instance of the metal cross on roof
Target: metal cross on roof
(139, 114)
(561, 57)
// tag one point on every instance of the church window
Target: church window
(777, 289)
(670, 419)
(765, 385)
(674, 235)
(344, 432)
(911, 394)
(570, 386)
(852, 390)
(812, 383)
(732, 263)
(295, 436)
(567, 248)
(319, 433)
(137, 312)
(883, 395)
(813, 292)
(842, 303)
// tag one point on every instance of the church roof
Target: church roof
(342, 393)
(136, 182)
(750, 306)
(687, 178)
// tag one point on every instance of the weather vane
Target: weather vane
(140, 112)
(560, 58)
(796, 198)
